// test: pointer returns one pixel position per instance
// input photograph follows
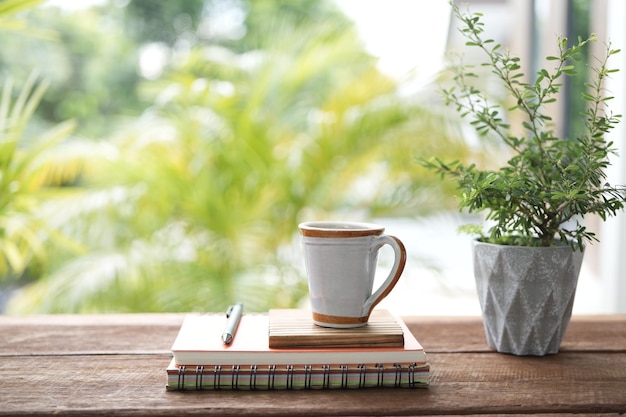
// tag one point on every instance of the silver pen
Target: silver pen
(233, 314)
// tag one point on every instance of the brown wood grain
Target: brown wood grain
(466, 334)
(115, 365)
(295, 328)
(84, 334)
(461, 384)
(138, 333)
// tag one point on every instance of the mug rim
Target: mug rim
(331, 228)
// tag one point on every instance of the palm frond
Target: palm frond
(22, 176)
(9, 7)
(10, 23)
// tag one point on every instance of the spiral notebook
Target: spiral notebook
(295, 377)
(202, 361)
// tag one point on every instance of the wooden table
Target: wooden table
(115, 365)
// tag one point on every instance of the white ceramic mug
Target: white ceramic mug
(341, 259)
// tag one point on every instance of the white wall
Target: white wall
(613, 231)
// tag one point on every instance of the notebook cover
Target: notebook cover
(199, 343)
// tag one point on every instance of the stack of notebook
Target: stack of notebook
(285, 350)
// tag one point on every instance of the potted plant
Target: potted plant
(526, 266)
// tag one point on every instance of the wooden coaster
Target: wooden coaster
(294, 328)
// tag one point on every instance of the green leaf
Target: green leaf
(8, 7)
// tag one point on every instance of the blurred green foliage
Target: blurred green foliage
(190, 186)
(31, 164)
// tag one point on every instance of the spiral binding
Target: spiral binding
(272, 377)
(326, 369)
(217, 376)
(344, 376)
(253, 370)
(236, 377)
(289, 376)
(181, 377)
(199, 376)
(362, 375)
(308, 374)
(398, 379)
(411, 374)
(380, 375)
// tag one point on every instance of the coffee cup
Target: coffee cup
(341, 262)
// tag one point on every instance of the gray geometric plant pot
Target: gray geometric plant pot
(526, 295)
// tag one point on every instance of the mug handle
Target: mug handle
(393, 277)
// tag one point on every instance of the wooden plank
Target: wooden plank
(449, 334)
(294, 328)
(466, 334)
(115, 364)
(158, 319)
(476, 383)
(155, 333)
(88, 334)
(601, 333)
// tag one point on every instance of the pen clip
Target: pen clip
(228, 311)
